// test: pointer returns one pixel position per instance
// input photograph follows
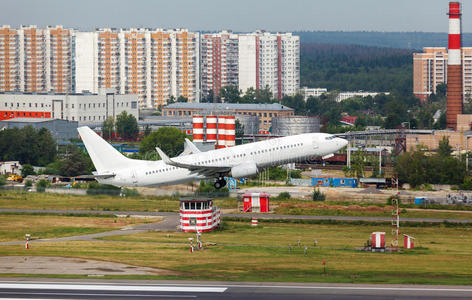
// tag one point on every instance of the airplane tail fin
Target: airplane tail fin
(105, 158)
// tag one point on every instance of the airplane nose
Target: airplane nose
(342, 142)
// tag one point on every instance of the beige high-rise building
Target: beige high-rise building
(430, 69)
(9, 59)
(36, 60)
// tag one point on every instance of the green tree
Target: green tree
(230, 94)
(127, 126)
(182, 99)
(444, 149)
(170, 139)
(27, 146)
(239, 130)
(108, 128)
(358, 164)
(147, 130)
(75, 162)
(26, 170)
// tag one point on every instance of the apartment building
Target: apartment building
(219, 62)
(269, 60)
(153, 64)
(36, 60)
(430, 69)
(253, 60)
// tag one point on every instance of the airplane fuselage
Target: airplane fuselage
(266, 153)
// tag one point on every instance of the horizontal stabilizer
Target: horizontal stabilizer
(103, 175)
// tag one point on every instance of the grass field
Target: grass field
(20, 200)
(243, 252)
(14, 227)
(28, 200)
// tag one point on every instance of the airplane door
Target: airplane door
(134, 178)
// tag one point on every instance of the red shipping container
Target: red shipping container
(256, 202)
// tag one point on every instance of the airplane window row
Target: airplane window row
(277, 148)
(160, 170)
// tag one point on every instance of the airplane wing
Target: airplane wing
(192, 146)
(207, 171)
(189, 148)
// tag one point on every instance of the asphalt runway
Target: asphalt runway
(236, 215)
(87, 289)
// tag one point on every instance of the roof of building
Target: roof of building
(34, 120)
(229, 106)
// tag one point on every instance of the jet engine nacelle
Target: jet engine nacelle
(244, 169)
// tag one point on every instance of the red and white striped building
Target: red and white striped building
(408, 242)
(198, 215)
(378, 240)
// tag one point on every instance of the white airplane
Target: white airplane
(238, 161)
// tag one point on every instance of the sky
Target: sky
(237, 15)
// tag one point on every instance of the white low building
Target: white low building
(10, 167)
(346, 95)
(86, 108)
(312, 92)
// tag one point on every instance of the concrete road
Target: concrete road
(129, 289)
(245, 215)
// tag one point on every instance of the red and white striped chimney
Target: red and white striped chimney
(221, 132)
(454, 66)
(198, 129)
(230, 131)
(211, 128)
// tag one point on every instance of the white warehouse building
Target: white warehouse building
(85, 108)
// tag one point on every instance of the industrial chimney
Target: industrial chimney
(454, 66)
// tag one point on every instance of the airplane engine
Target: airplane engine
(244, 169)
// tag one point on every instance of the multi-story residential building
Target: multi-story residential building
(9, 59)
(430, 69)
(37, 60)
(269, 60)
(219, 65)
(254, 60)
(153, 64)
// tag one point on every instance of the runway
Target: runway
(87, 289)
(237, 215)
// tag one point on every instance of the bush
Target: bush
(467, 184)
(28, 183)
(26, 170)
(208, 188)
(95, 188)
(42, 185)
(318, 195)
(129, 193)
(3, 181)
(283, 196)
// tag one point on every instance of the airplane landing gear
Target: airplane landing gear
(219, 183)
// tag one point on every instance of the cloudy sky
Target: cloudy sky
(238, 15)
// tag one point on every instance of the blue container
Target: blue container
(419, 200)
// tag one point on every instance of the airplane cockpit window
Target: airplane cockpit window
(330, 137)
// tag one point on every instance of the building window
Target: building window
(72, 105)
(30, 105)
(134, 104)
(73, 119)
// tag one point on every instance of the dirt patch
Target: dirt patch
(335, 207)
(72, 266)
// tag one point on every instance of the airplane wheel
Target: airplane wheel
(217, 185)
(223, 183)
